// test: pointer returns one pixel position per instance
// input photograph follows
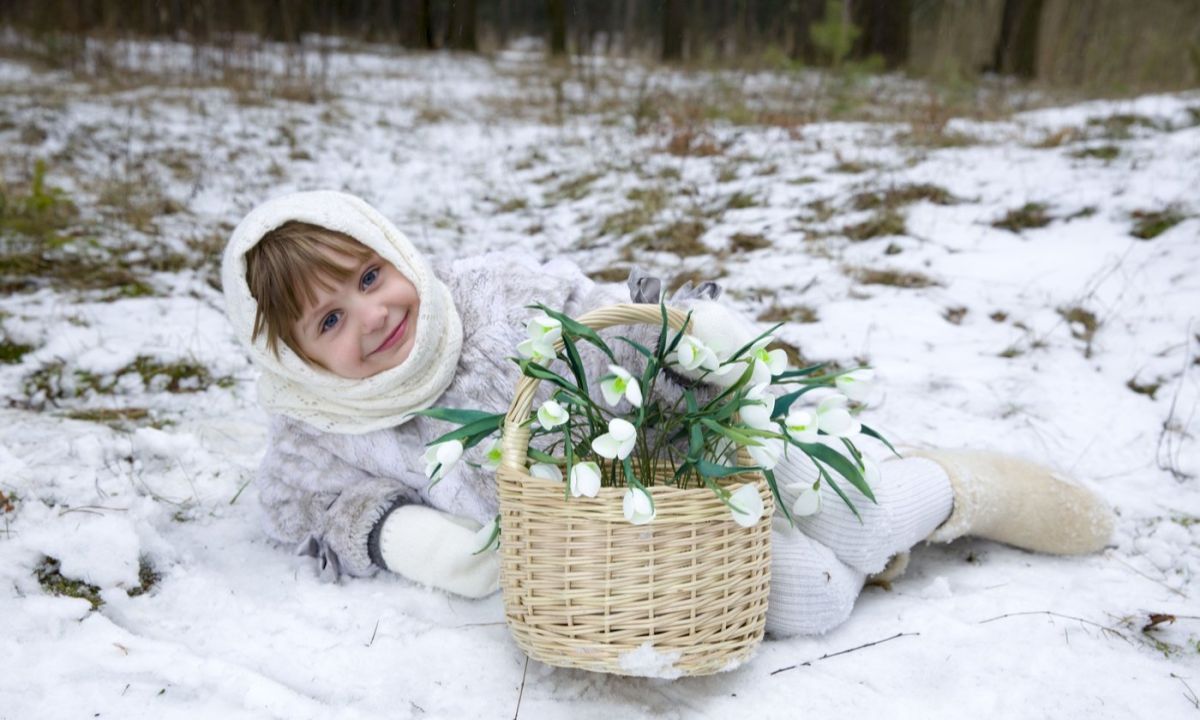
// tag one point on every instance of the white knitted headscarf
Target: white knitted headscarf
(290, 386)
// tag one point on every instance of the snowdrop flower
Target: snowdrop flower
(545, 330)
(637, 506)
(747, 506)
(622, 384)
(692, 354)
(758, 414)
(546, 471)
(585, 479)
(539, 352)
(551, 414)
(441, 457)
(768, 453)
(488, 536)
(492, 456)
(801, 426)
(618, 442)
(807, 502)
(835, 419)
(766, 362)
(856, 384)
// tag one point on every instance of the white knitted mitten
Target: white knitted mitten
(1020, 503)
(436, 549)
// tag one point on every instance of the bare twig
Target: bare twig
(522, 692)
(1190, 695)
(808, 663)
(1051, 613)
(1166, 454)
(372, 640)
(1178, 592)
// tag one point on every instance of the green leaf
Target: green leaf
(576, 364)
(750, 344)
(660, 346)
(802, 372)
(577, 329)
(731, 433)
(677, 337)
(838, 462)
(636, 346)
(784, 402)
(695, 443)
(472, 433)
(872, 433)
(787, 513)
(829, 479)
(454, 415)
(712, 470)
(533, 370)
(543, 457)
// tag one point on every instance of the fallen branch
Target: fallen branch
(808, 663)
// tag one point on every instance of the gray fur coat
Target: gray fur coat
(336, 487)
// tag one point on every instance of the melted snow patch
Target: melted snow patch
(648, 662)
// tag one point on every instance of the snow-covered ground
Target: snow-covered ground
(130, 437)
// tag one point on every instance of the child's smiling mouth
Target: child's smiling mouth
(394, 338)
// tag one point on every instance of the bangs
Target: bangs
(285, 269)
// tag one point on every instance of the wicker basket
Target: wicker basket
(683, 595)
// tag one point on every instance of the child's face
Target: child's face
(366, 324)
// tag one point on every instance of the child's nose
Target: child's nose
(374, 318)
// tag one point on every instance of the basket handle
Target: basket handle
(516, 435)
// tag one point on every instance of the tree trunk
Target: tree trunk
(557, 10)
(1016, 49)
(461, 33)
(672, 30)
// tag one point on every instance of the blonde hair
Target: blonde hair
(283, 271)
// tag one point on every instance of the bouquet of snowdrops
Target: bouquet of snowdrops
(746, 404)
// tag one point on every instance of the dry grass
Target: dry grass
(884, 223)
(909, 280)
(1083, 324)
(1028, 216)
(1149, 224)
(790, 314)
(901, 195)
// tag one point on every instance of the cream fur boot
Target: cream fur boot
(1017, 502)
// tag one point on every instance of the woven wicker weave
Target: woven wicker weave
(583, 587)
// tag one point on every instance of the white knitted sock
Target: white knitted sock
(812, 591)
(914, 497)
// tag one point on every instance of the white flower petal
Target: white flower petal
(633, 393)
(768, 453)
(777, 361)
(493, 455)
(801, 425)
(619, 372)
(856, 384)
(748, 504)
(544, 329)
(621, 429)
(832, 402)
(606, 446)
(637, 507)
(585, 479)
(551, 414)
(546, 471)
(807, 502)
(613, 390)
(839, 423)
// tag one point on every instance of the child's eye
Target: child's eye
(329, 322)
(369, 278)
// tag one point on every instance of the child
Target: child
(353, 330)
